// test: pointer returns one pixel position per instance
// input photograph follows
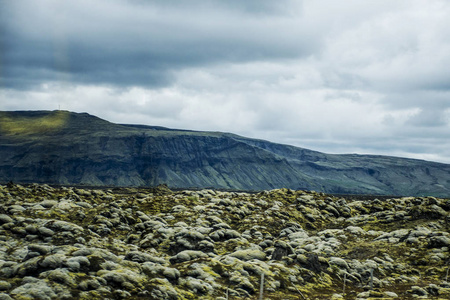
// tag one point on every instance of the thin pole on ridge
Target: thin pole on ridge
(261, 287)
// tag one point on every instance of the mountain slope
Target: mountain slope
(70, 148)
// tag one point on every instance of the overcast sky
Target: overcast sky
(351, 76)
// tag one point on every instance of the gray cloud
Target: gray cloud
(360, 76)
(429, 118)
(141, 44)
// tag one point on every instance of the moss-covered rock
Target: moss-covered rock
(160, 244)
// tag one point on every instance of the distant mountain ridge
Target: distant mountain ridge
(61, 147)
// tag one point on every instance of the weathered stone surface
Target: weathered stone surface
(48, 203)
(188, 244)
(4, 296)
(337, 261)
(390, 295)
(187, 255)
(78, 263)
(163, 290)
(140, 257)
(52, 261)
(4, 285)
(34, 289)
(39, 248)
(5, 219)
(417, 290)
(44, 231)
(439, 241)
(224, 234)
(281, 249)
(249, 254)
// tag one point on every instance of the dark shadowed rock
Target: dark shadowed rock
(281, 249)
(312, 263)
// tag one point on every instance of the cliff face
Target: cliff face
(70, 148)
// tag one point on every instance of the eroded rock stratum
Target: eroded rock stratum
(72, 243)
(66, 148)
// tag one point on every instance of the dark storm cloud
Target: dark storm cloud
(334, 76)
(248, 6)
(126, 43)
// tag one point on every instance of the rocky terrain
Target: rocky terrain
(60, 147)
(73, 243)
